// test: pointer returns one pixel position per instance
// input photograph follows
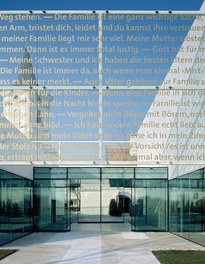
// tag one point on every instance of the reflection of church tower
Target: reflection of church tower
(26, 72)
(28, 110)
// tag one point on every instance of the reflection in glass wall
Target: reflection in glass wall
(136, 197)
(85, 195)
(187, 210)
(89, 201)
(117, 194)
(84, 87)
(149, 207)
(51, 198)
(15, 206)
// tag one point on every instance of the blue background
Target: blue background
(101, 4)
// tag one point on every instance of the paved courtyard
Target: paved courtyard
(93, 248)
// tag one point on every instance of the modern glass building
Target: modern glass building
(16, 206)
(131, 199)
(186, 206)
(102, 122)
(65, 197)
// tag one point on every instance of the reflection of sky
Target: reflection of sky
(67, 37)
(78, 114)
(122, 112)
(145, 46)
(77, 41)
(101, 5)
(56, 39)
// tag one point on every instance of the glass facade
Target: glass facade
(51, 199)
(106, 90)
(140, 197)
(66, 196)
(151, 201)
(187, 206)
(16, 217)
(105, 99)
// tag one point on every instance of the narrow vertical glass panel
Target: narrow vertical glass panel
(50, 173)
(17, 212)
(75, 200)
(28, 205)
(195, 204)
(83, 173)
(42, 212)
(174, 210)
(150, 205)
(139, 206)
(151, 172)
(52, 209)
(89, 201)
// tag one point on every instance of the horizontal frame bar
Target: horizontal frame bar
(107, 12)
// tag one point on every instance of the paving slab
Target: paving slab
(94, 248)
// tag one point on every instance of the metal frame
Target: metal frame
(100, 87)
(133, 220)
(93, 12)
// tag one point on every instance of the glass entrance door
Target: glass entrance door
(112, 206)
(101, 195)
(149, 204)
(134, 197)
(51, 200)
(85, 195)
(116, 196)
(89, 201)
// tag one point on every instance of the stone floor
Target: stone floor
(93, 247)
